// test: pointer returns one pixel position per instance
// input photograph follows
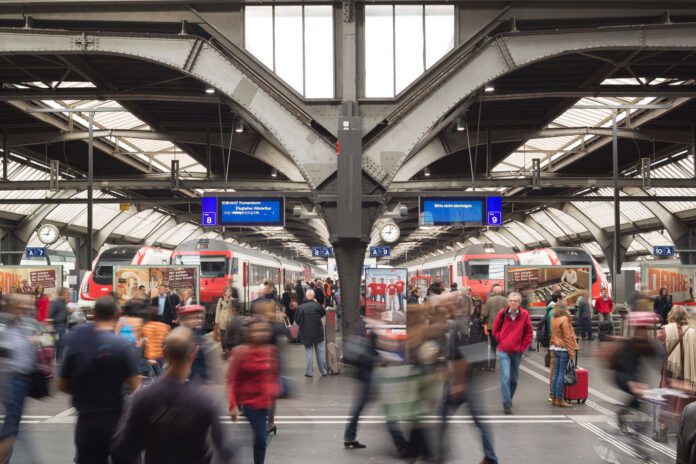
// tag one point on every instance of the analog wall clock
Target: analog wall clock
(48, 234)
(390, 233)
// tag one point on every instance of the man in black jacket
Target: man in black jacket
(165, 304)
(308, 318)
(318, 292)
(300, 291)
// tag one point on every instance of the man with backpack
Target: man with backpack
(513, 332)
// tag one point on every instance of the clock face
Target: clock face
(48, 234)
(390, 233)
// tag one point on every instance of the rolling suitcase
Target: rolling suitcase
(580, 391)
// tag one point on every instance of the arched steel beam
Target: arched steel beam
(496, 57)
(521, 246)
(682, 235)
(314, 157)
(539, 229)
(602, 237)
(160, 229)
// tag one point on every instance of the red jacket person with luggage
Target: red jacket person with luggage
(512, 331)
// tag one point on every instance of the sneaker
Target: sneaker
(551, 399)
(508, 409)
(563, 404)
(355, 444)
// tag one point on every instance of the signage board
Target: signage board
(467, 211)
(535, 283)
(663, 251)
(380, 251)
(36, 252)
(243, 211)
(322, 252)
(677, 279)
(49, 277)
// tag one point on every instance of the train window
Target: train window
(235, 265)
(480, 269)
(460, 269)
(214, 266)
(104, 274)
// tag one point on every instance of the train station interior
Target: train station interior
(526, 144)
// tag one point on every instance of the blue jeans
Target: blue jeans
(559, 367)
(321, 358)
(257, 419)
(471, 398)
(61, 331)
(17, 389)
(509, 373)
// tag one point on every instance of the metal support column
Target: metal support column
(489, 153)
(207, 154)
(90, 185)
(616, 265)
(5, 154)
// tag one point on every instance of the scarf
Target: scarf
(674, 361)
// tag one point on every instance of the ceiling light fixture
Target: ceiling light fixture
(239, 125)
(488, 88)
(461, 126)
(426, 172)
(209, 90)
(274, 173)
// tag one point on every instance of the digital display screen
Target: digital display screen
(251, 211)
(242, 211)
(455, 210)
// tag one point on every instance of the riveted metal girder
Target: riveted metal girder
(496, 57)
(541, 230)
(314, 157)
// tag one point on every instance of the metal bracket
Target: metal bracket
(85, 42)
(645, 172)
(175, 174)
(536, 173)
(54, 171)
(348, 11)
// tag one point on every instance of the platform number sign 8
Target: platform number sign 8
(209, 219)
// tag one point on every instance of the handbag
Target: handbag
(570, 378)
(357, 351)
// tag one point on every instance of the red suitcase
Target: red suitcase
(579, 391)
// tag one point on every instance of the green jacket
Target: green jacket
(549, 316)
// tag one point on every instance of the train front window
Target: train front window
(103, 274)
(485, 269)
(211, 266)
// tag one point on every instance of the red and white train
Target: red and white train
(221, 265)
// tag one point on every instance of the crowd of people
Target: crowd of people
(156, 351)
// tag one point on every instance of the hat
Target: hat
(190, 309)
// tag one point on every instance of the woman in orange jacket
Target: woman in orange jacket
(563, 345)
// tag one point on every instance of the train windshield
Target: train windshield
(211, 266)
(104, 272)
(484, 269)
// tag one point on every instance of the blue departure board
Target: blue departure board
(243, 211)
(467, 211)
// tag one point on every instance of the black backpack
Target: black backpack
(543, 336)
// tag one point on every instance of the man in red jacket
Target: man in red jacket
(604, 306)
(512, 331)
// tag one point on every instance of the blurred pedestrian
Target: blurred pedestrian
(154, 334)
(97, 365)
(58, 313)
(192, 317)
(17, 362)
(224, 310)
(171, 419)
(663, 305)
(252, 382)
(41, 302)
(312, 333)
(512, 331)
(365, 349)
(300, 291)
(679, 343)
(290, 303)
(584, 314)
(494, 304)
(319, 295)
(414, 297)
(555, 288)
(461, 385)
(563, 345)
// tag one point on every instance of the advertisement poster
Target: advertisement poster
(129, 279)
(385, 295)
(13, 278)
(535, 282)
(677, 279)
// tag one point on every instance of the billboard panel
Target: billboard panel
(128, 279)
(677, 279)
(49, 277)
(385, 295)
(536, 282)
